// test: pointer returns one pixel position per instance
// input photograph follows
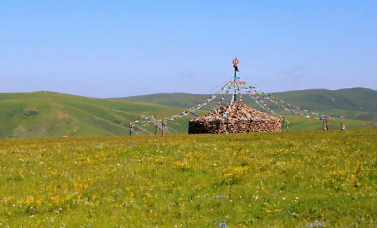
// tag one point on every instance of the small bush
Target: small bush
(117, 121)
(31, 112)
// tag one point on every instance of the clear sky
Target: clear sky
(122, 48)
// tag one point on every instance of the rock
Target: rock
(240, 119)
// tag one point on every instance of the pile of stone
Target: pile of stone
(234, 118)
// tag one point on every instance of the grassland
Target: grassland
(294, 179)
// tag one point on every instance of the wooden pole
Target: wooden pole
(219, 126)
(156, 126)
(162, 127)
(129, 129)
(234, 85)
(235, 62)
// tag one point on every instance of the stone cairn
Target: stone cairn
(240, 119)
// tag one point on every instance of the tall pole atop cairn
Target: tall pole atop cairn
(236, 69)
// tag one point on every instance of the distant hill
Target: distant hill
(45, 114)
(49, 114)
(353, 103)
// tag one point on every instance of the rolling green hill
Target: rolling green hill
(49, 114)
(354, 103)
(43, 114)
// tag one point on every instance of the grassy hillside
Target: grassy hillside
(46, 114)
(42, 114)
(354, 103)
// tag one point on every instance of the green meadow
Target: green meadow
(289, 179)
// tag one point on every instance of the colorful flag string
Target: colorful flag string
(254, 93)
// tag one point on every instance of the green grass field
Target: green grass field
(290, 179)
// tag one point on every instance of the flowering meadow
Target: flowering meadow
(289, 179)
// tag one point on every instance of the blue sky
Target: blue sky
(122, 48)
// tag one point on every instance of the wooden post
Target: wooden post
(326, 124)
(283, 124)
(162, 127)
(235, 62)
(129, 129)
(235, 85)
(156, 126)
(287, 126)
